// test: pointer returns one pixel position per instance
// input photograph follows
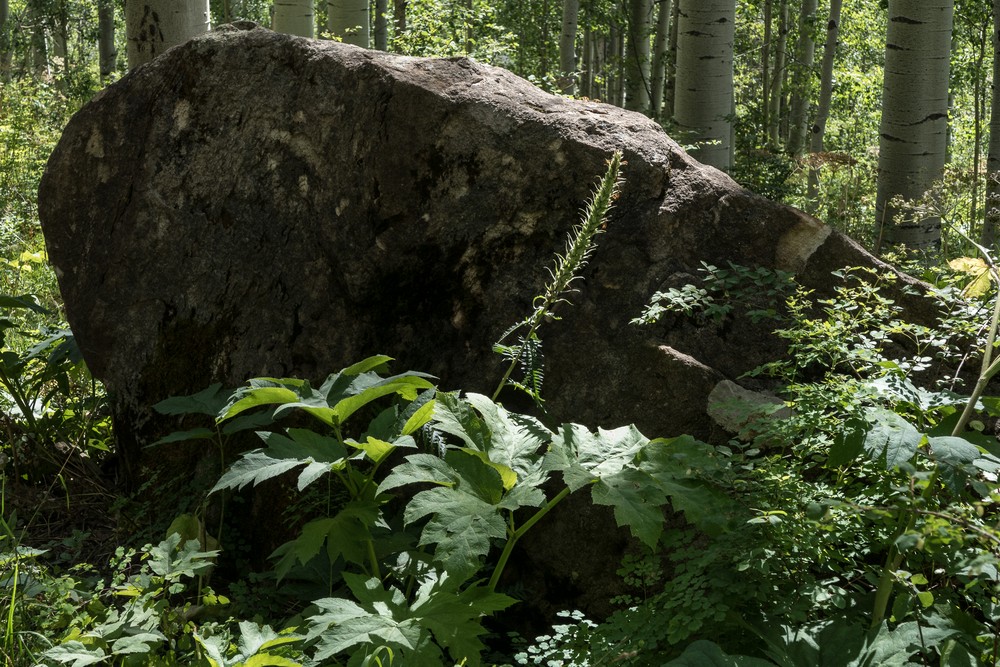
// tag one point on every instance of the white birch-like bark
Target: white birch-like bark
(153, 26)
(637, 55)
(661, 45)
(992, 218)
(913, 131)
(294, 17)
(567, 47)
(818, 129)
(703, 101)
(805, 53)
(348, 20)
(765, 69)
(108, 54)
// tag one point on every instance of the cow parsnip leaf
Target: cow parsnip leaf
(891, 439)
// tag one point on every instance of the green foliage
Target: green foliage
(402, 571)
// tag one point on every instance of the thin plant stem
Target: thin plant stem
(579, 246)
(519, 533)
(908, 519)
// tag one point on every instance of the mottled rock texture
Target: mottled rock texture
(257, 204)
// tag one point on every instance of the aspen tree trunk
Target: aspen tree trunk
(399, 17)
(106, 37)
(294, 17)
(704, 99)
(992, 218)
(661, 43)
(567, 47)
(805, 53)
(913, 131)
(670, 79)
(153, 26)
(38, 53)
(382, 25)
(765, 70)
(777, 80)
(613, 68)
(639, 21)
(348, 20)
(825, 96)
(5, 54)
(587, 67)
(977, 139)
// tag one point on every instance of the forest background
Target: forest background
(867, 535)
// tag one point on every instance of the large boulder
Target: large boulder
(258, 204)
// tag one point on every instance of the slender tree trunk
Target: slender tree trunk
(805, 53)
(639, 21)
(777, 80)
(661, 44)
(913, 131)
(294, 17)
(5, 54)
(992, 218)
(704, 98)
(106, 37)
(39, 51)
(382, 25)
(399, 17)
(825, 96)
(765, 70)
(567, 47)
(670, 79)
(587, 67)
(348, 20)
(153, 26)
(977, 124)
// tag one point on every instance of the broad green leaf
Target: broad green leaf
(76, 654)
(637, 500)
(303, 443)
(209, 401)
(419, 469)
(461, 526)
(256, 638)
(848, 443)
(407, 387)
(372, 363)
(584, 457)
(254, 467)
(516, 441)
(953, 451)
(419, 418)
(140, 642)
(379, 617)
(256, 397)
(345, 534)
(891, 439)
(455, 617)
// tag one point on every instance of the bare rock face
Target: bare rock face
(257, 204)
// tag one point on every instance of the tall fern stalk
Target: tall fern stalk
(580, 245)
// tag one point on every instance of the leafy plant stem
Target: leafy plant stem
(519, 533)
(579, 247)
